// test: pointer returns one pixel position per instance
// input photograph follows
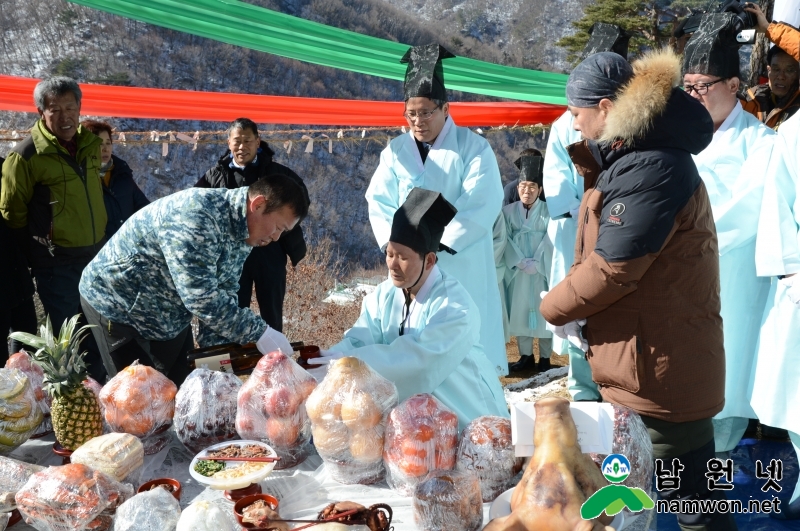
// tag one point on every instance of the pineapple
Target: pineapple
(75, 411)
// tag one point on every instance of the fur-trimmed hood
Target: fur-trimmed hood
(651, 111)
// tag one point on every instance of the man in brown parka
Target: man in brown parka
(645, 281)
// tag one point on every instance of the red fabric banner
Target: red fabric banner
(16, 94)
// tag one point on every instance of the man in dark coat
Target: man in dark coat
(17, 313)
(248, 160)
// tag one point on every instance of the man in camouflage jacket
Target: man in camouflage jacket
(179, 257)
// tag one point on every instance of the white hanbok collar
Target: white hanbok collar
(420, 300)
(425, 290)
(728, 123)
(437, 144)
(522, 208)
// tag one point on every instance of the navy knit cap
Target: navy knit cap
(597, 77)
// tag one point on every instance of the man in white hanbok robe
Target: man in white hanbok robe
(733, 170)
(527, 241)
(421, 330)
(563, 187)
(775, 389)
(461, 166)
(499, 245)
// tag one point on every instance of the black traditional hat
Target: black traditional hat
(712, 50)
(531, 169)
(607, 38)
(424, 77)
(420, 221)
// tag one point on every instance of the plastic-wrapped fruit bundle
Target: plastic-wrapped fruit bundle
(120, 455)
(205, 516)
(486, 450)
(205, 409)
(348, 413)
(154, 510)
(22, 361)
(69, 497)
(20, 415)
(421, 435)
(271, 408)
(141, 401)
(448, 499)
(13, 476)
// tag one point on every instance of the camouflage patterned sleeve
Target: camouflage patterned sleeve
(205, 272)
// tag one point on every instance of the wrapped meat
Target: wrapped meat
(421, 435)
(13, 476)
(20, 415)
(558, 479)
(154, 510)
(448, 499)
(22, 361)
(271, 408)
(141, 401)
(486, 450)
(120, 455)
(348, 413)
(205, 409)
(205, 516)
(632, 440)
(69, 497)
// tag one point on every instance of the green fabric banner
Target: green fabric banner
(241, 24)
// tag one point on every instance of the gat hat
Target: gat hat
(712, 50)
(424, 76)
(607, 38)
(420, 221)
(531, 168)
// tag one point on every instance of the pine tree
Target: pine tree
(650, 22)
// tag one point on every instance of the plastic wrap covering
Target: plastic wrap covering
(632, 440)
(447, 500)
(205, 516)
(70, 497)
(20, 415)
(486, 450)
(348, 413)
(421, 435)
(271, 408)
(4, 518)
(141, 401)
(22, 361)
(154, 510)
(13, 476)
(205, 409)
(120, 455)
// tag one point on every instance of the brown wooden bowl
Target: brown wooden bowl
(174, 483)
(237, 494)
(14, 519)
(307, 353)
(249, 500)
(62, 452)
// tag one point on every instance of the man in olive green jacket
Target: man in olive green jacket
(52, 199)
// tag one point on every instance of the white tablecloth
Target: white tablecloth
(302, 491)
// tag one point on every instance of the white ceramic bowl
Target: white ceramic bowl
(501, 506)
(233, 483)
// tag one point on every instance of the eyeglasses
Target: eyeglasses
(423, 116)
(700, 88)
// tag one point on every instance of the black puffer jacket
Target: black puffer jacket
(122, 196)
(223, 175)
(15, 280)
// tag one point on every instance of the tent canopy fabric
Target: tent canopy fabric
(16, 94)
(257, 28)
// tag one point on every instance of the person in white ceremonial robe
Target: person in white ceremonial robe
(733, 170)
(775, 388)
(420, 328)
(440, 156)
(528, 255)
